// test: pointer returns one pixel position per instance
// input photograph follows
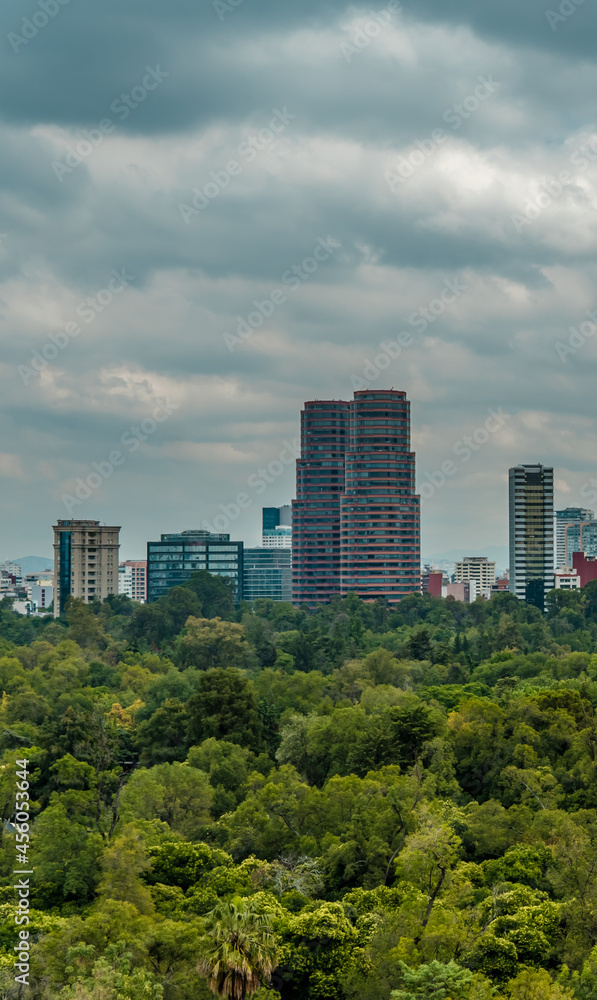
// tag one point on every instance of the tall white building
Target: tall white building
(479, 569)
(85, 562)
(531, 533)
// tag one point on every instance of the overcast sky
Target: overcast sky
(432, 148)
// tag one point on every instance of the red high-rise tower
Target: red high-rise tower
(356, 520)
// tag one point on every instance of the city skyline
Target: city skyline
(249, 528)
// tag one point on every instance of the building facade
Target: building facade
(568, 532)
(174, 559)
(585, 566)
(567, 579)
(465, 591)
(267, 573)
(277, 527)
(356, 519)
(41, 596)
(132, 580)
(580, 537)
(434, 583)
(85, 562)
(479, 569)
(316, 510)
(531, 533)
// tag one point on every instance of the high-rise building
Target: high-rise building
(277, 527)
(316, 511)
(85, 562)
(531, 533)
(568, 531)
(174, 559)
(132, 580)
(476, 568)
(356, 519)
(267, 573)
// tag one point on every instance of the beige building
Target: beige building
(479, 569)
(85, 561)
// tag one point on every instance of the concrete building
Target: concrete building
(174, 559)
(12, 569)
(267, 573)
(568, 530)
(41, 596)
(479, 569)
(531, 533)
(132, 580)
(277, 527)
(465, 591)
(501, 585)
(356, 519)
(85, 562)
(567, 579)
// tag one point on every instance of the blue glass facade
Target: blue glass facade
(174, 559)
(267, 573)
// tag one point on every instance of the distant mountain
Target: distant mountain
(34, 564)
(495, 553)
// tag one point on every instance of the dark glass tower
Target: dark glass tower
(316, 510)
(531, 533)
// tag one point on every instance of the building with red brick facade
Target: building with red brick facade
(356, 519)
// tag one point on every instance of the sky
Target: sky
(167, 168)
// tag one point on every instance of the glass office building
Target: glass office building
(531, 533)
(267, 573)
(174, 559)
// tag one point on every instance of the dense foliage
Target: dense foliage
(353, 803)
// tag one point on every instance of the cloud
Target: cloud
(324, 175)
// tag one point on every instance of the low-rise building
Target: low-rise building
(176, 557)
(132, 580)
(567, 579)
(464, 590)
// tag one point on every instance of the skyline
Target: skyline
(418, 181)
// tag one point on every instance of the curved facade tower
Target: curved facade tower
(356, 519)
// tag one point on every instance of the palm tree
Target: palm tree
(241, 952)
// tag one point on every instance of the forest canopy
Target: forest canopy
(351, 803)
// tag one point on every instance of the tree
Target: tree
(225, 707)
(419, 645)
(216, 594)
(227, 766)
(111, 977)
(429, 856)
(240, 952)
(174, 793)
(441, 982)
(212, 643)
